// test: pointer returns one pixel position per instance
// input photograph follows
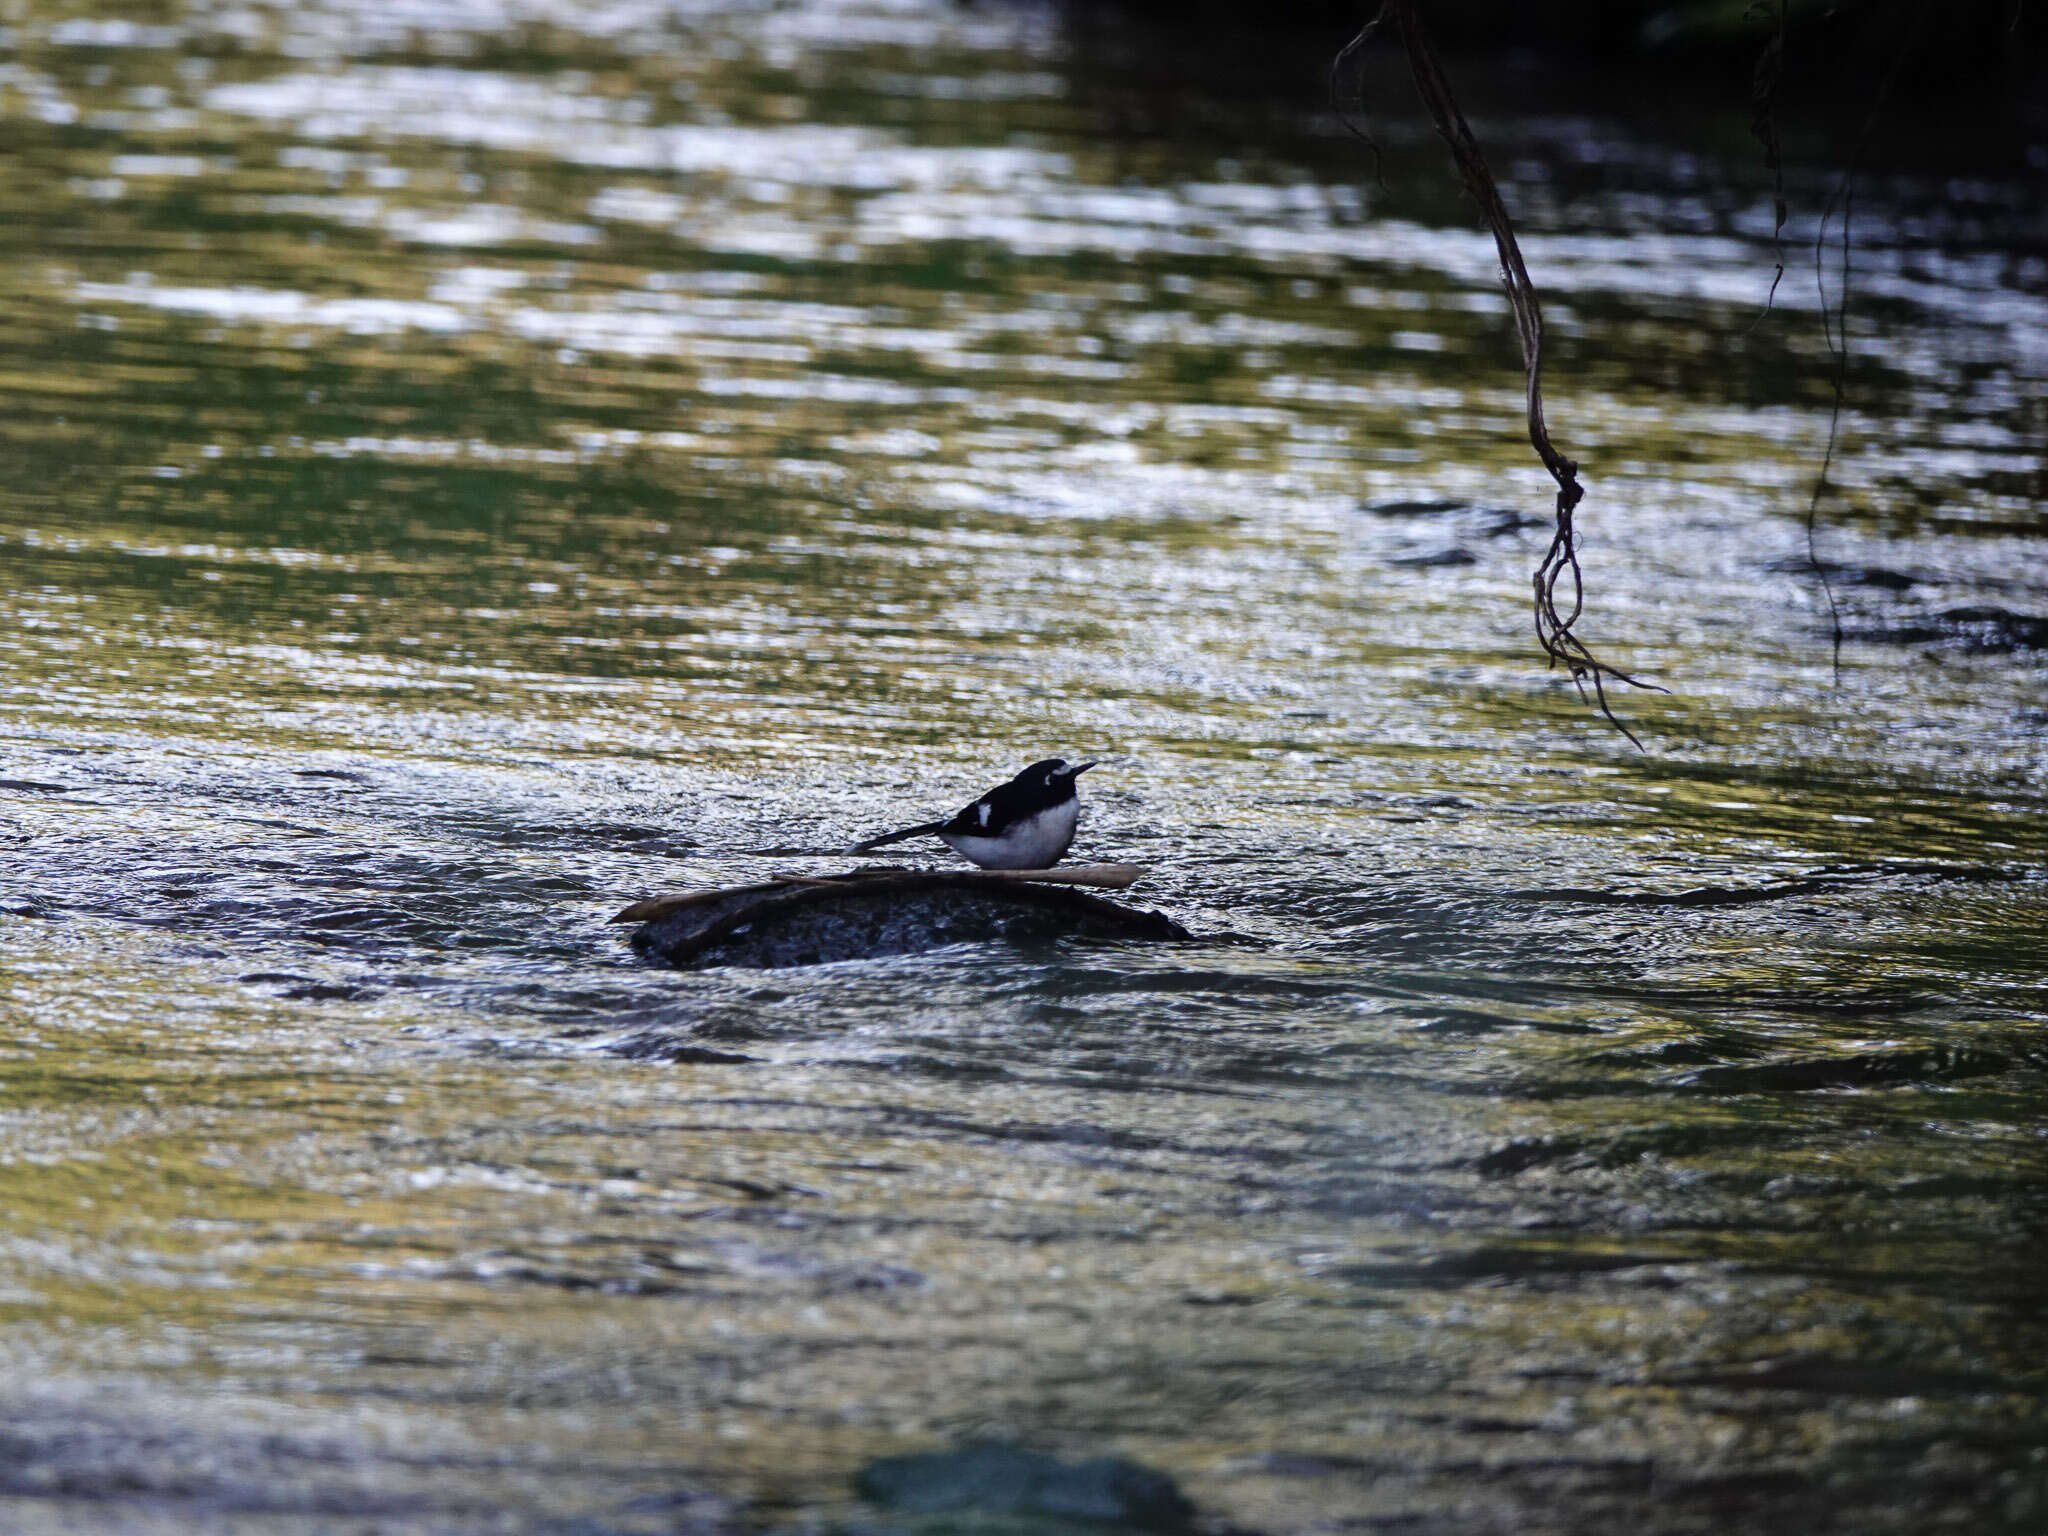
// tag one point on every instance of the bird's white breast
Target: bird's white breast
(1036, 842)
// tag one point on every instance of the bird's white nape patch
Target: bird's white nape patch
(981, 813)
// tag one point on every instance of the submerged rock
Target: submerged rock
(1483, 522)
(871, 914)
(1004, 1480)
(1430, 559)
(1977, 628)
(1840, 575)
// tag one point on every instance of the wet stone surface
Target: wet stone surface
(993, 1479)
(889, 915)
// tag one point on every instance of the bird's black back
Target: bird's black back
(1038, 788)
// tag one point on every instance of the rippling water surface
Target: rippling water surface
(468, 467)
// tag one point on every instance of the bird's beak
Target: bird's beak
(1079, 768)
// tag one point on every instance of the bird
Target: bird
(1027, 823)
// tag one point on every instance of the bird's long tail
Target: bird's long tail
(926, 830)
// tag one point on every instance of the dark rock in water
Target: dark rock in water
(1498, 522)
(1418, 507)
(1845, 575)
(1976, 628)
(891, 913)
(1478, 521)
(1998, 629)
(1435, 557)
(664, 1048)
(995, 1479)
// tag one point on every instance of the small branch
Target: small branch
(1763, 123)
(1348, 111)
(1835, 332)
(1554, 631)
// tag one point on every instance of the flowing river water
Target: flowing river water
(470, 466)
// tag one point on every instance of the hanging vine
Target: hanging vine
(1558, 582)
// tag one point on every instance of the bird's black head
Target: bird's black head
(1053, 775)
